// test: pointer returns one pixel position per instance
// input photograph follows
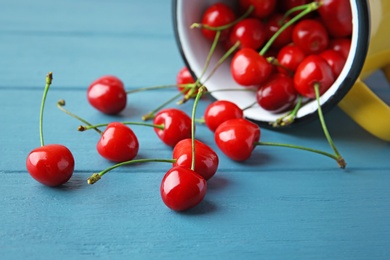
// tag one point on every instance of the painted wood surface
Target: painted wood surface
(280, 204)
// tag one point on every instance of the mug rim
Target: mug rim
(362, 42)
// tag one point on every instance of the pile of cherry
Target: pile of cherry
(316, 36)
(194, 162)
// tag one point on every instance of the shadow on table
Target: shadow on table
(205, 207)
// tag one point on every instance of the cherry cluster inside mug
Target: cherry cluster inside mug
(369, 51)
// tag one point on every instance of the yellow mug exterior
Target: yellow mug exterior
(360, 103)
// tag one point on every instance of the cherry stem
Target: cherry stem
(340, 159)
(300, 148)
(275, 62)
(222, 59)
(290, 116)
(97, 176)
(210, 54)
(230, 89)
(200, 120)
(61, 103)
(151, 114)
(308, 8)
(84, 128)
(186, 86)
(293, 10)
(207, 63)
(226, 26)
(218, 30)
(49, 79)
(201, 90)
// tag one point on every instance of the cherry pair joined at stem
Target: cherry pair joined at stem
(185, 184)
(51, 164)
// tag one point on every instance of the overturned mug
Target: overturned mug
(370, 51)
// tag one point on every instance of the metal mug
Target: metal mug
(370, 51)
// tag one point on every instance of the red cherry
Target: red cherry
(341, 45)
(184, 77)
(337, 17)
(236, 138)
(335, 60)
(277, 94)
(262, 8)
(249, 68)
(177, 126)
(250, 32)
(220, 111)
(311, 36)
(289, 57)
(273, 24)
(118, 143)
(107, 94)
(206, 160)
(217, 15)
(313, 70)
(51, 165)
(182, 188)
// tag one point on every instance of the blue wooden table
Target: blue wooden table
(280, 204)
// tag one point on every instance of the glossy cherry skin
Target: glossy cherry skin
(289, 57)
(249, 68)
(277, 94)
(184, 77)
(107, 94)
(177, 126)
(217, 15)
(118, 143)
(220, 111)
(250, 32)
(313, 70)
(341, 45)
(311, 36)
(273, 24)
(336, 15)
(262, 8)
(182, 188)
(206, 159)
(335, 60)
(51, 165)
(236, 138)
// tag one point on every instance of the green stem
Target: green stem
(199, 94)
(231, 89)
(222, 59)
(290, 116)
(61, 104)
(208, 59)
(340, 159)
(308, 8)
(293, 10)
(191, 92)
(84, 128)
(299, 148)
(200, 120)
(152, 113)
(97, 176)
(49, 79)
(153, 88)
(226, 26)
(218, 30)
